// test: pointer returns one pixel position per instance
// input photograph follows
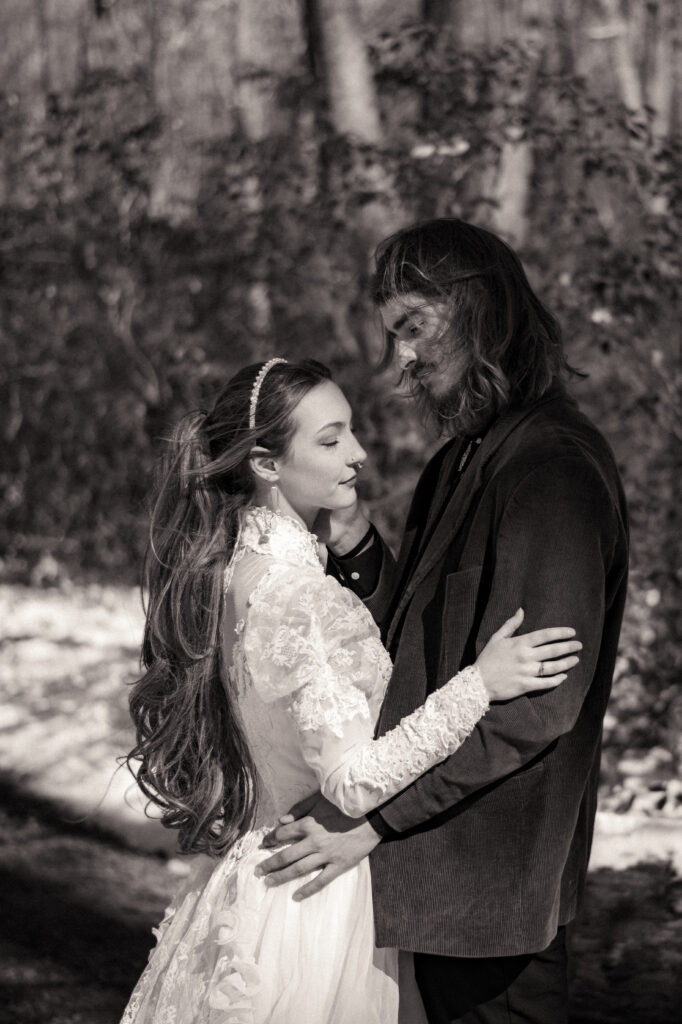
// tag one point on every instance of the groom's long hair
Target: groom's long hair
(513, 343)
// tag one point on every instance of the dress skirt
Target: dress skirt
(231, 950)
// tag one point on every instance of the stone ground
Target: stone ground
(84, 876)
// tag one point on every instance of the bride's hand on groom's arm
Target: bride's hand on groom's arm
(322, 839)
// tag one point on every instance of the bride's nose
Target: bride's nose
(359, 456)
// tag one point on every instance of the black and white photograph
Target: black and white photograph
(340, 497)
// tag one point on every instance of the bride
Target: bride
(264, 678)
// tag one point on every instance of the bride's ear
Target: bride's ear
(265, 467)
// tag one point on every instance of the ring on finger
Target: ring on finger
(541, 670)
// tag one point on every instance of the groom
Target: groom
(480, 864)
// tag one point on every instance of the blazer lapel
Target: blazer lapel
(417, 519)
(452, 515)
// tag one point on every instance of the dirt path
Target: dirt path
(67, 661)
(77, 909)
(77, 905)
(76, 912)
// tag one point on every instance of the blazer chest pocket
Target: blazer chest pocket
(457, 620)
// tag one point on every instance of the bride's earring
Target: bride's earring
(274, 498)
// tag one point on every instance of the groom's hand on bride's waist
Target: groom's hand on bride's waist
(321, 839)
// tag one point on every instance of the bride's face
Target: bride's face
(320, 467)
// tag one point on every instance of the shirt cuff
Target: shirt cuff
(361, 572)
(381, 827)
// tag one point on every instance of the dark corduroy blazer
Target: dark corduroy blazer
(486, 854)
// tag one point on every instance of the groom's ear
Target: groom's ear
(264, 465)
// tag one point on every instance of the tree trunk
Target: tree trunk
(491, 24)
(60, 31)
(626, 63)
(563, 32)
(374, 209)
(43, 42)
(510, 216)
(351, 94)
(440, 13)
(662, 80)
(515, 168)
(153, 24)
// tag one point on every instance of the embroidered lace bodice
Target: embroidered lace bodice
(310, 673)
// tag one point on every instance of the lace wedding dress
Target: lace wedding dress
(309, 672)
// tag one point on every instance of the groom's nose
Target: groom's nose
(406, 355)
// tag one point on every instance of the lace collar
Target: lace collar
(272, 533)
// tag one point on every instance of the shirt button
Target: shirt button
(355, 575)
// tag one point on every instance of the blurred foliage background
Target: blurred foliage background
(190, 185)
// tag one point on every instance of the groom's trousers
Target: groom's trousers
(532, 988)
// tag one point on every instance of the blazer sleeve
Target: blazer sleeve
(554, 547)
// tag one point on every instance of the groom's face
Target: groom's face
(417, 326)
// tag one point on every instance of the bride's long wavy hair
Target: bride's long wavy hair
(191, 758)
(511, 342)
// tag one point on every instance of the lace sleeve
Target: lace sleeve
(357, 773)
(313, 645)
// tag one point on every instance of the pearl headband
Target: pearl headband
(257, 385)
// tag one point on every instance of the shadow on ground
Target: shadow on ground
(77, 907)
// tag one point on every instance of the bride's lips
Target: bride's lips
(350, 480)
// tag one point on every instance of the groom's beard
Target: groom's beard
(439, 412)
